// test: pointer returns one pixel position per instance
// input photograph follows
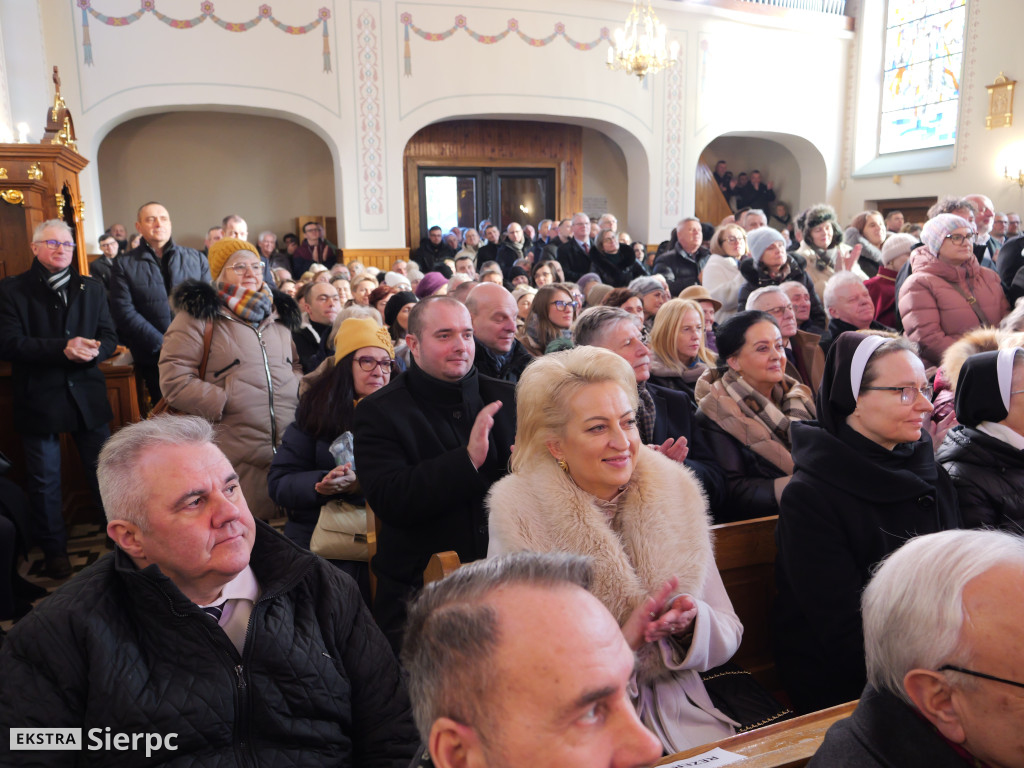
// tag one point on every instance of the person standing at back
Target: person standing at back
(141, 282)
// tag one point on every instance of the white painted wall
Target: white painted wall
(366, 108)
(267, 170)
(993, 45)
(605, 175)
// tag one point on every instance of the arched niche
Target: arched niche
(204, 165)
(794, 165)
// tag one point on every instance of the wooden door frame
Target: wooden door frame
(412, 188)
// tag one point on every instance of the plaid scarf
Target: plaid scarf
(796, 402)
(252, 306)
(645, 414)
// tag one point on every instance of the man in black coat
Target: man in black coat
(204, 628)
(941, 628)
(320, 304)
(429, 446)
(432, 251)
(55, 329)
(100, 268)
(499, 354)
(849, 308)
(683, 264)
(574, 254)
(141, 282)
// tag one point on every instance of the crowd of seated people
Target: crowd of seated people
(728, 379)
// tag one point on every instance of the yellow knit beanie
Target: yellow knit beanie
(358, 332)
(223, 250)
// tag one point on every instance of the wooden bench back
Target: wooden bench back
(745, 556)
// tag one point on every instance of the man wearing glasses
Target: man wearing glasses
(428, 447)
(55, 329)
(140, 283)
(942, 630)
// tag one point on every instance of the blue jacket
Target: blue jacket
(139, 288)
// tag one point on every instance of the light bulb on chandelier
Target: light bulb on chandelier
(640, 48)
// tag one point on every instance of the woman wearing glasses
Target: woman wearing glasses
(250, 383)
(865, 481)
(721, 274)
(550, 318)
(305, 474)
(949, 293)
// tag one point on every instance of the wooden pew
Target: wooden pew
(789, 744)
(745, 555)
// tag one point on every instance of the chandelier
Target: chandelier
(639, 49)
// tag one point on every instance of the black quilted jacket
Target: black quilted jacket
(124, 648)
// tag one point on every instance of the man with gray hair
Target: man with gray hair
(753, 218)
(849, 307)
(942, 629)
(805, 361)
(493, 686)
(55, 329)
(665, 417)
(683, 262)
(205, 628)
(574, 254)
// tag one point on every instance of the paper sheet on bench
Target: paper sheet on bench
(717, 756)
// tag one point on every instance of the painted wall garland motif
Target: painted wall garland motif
(513, 26)
(205, 12)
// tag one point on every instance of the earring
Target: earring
(563, 465)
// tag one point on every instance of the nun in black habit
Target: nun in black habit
(865, 481)
(984, 456)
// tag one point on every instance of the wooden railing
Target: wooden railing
(710, 204)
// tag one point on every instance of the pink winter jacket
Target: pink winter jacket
(935, 313)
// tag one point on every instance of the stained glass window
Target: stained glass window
(924, 44)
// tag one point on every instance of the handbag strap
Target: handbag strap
(972, 303)
(207, 341)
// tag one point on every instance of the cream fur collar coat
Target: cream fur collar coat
(660, 529)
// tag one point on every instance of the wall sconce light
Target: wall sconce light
(1019, 178)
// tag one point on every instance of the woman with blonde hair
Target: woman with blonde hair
(582, 482)
(550, 317)
(721, 275)
(679, 355)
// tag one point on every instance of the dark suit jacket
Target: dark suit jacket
(575, 263)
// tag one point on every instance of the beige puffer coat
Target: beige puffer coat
(250, 389)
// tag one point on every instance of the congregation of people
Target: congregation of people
(573, 409)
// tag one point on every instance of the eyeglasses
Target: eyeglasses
(958, 239)
(908, 395)
(780, 311)
(242, 268)
(560, 304)
(982, 675)
(734, 240)
(55, 245)
(369, 363)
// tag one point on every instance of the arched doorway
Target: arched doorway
(793, 165)
(206, 165)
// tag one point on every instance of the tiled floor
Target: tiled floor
(86, 544)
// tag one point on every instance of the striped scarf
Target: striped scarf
(58, 283)
(252, 306)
